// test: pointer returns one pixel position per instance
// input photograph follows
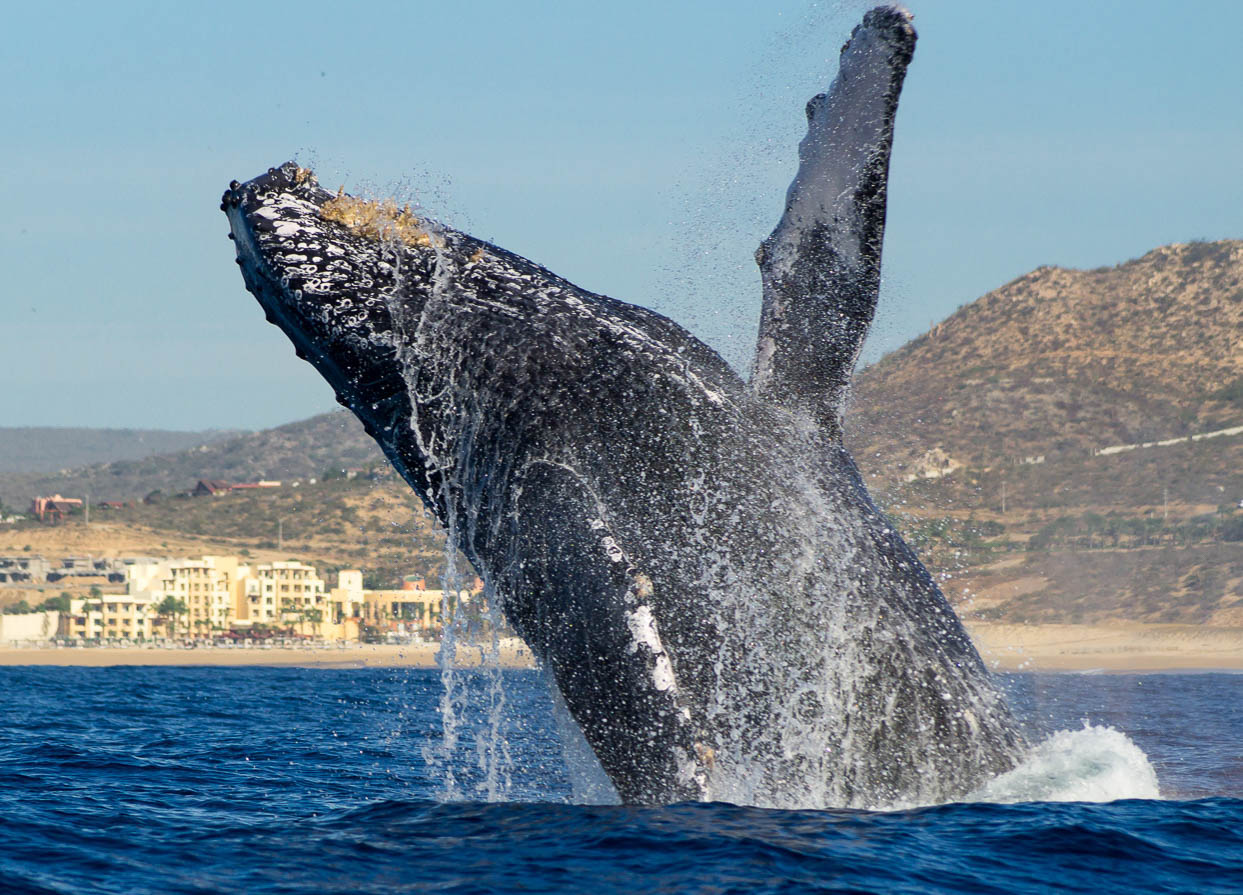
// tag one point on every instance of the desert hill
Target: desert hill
(47, 449)
(1065, 361)
(1007, 442)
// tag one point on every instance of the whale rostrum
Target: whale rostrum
(694, 558)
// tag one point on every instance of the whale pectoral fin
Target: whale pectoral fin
(821, 265)
(582, 607)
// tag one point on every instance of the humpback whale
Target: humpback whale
(694, 557)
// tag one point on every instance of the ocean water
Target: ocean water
(156, 780)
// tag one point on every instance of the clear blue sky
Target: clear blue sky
(640, 149)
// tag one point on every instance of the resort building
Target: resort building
(225, 596)
(113, 616)
(207, 587)
(345, 607)
(281, 592)
(413, 607)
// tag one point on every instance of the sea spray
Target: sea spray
(472, 618)
(1094, 764)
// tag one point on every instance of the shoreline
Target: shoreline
(1115, 647)
(417, 655)
(1118, 647)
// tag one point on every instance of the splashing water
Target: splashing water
(1094, 764)
(467, 631)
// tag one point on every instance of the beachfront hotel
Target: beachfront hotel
(225, 596)
(277, 592)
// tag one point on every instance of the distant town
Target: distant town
(215, 599)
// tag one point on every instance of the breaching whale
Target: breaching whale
(695, 558)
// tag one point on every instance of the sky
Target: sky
(641, 150)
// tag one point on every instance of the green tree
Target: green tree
(171, 607)
(56, 604)
(1232, 529)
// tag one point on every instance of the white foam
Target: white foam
(1095, 764)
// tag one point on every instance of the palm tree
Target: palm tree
(171, 607)
(314, 616)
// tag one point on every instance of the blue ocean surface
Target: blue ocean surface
(237, 780)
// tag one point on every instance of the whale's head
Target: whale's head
(338, 275)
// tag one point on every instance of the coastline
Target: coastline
(1118, 647)
(418, 655)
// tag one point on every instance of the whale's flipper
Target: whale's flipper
(821, 265)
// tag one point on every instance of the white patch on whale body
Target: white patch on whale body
(642, 627)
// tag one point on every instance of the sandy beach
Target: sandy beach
(1118, 647)
(351, 656)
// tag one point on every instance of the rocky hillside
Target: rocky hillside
(1060, 362)
(297, 450)
(995, 442)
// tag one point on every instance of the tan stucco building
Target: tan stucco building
(223, 593)
(110, 616)
(279, 593)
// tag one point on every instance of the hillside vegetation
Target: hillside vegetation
(1016, 394)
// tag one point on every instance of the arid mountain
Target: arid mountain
(297, 450)
(996, 442)
(1062, 362)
